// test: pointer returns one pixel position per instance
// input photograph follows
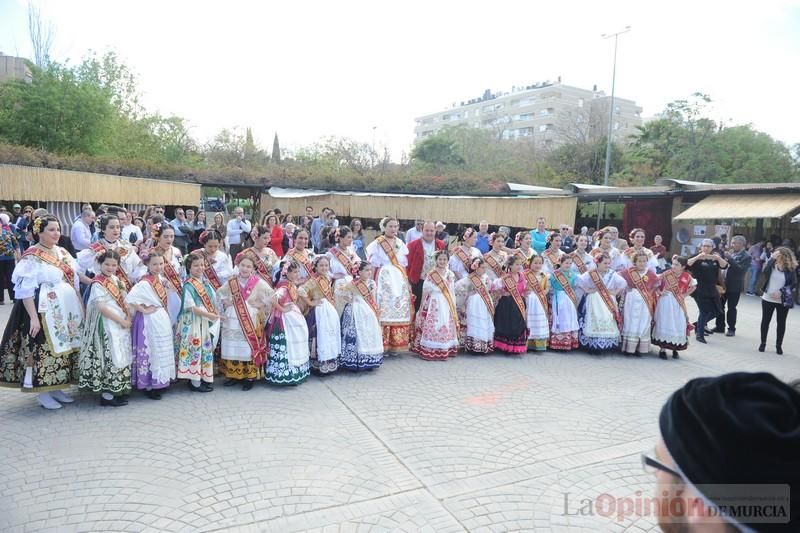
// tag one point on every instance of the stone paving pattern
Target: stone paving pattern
(473, 444)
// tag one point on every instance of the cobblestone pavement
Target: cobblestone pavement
(492, 443)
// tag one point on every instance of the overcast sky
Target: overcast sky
(310, 69)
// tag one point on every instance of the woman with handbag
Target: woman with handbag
(775, 286)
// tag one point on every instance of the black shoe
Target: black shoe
(113, 402)
(701, 339)
(207, 386)
(248, 384)
(663, 355)
(730, 333)
(762, 347)
(718, 330)
(153, 394)
(675, 354)
(779, 350)
(201, 388)
(230, 383)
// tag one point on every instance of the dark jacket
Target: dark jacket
(763, 278)
(738, 265)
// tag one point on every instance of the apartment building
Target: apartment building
(13, 68)
(548, 113)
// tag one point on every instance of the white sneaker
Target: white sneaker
(47, 401)
(60, 397)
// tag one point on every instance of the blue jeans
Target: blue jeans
(754, 272)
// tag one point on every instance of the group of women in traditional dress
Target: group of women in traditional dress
(118, 318)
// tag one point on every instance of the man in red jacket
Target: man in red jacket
(420, 259)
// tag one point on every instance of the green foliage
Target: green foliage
(276, 150)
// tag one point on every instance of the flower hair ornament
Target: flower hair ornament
(155, 229)
(37, 225)
(203, 237)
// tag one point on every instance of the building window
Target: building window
(580, 102)
(445, 118)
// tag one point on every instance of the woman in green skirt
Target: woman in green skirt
(288, 333)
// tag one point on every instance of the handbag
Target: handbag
(787, 299)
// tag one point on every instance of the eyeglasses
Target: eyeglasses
(650, 465)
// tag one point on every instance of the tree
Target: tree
(276, 150)
(42, 34)
(57, 111)
(438, 152)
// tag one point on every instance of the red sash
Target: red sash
(671, 284)
(98, 248)
(562, 279)
(525, 258)
(439, 281)
(158, 287)
(462, 255)
(342, 258)
(480, 288)
(361, 287)
(578, 260)
(256, 341)
(261, 266)
(69, 274)
(552, 256)
(113, 289)
(511, 286)
(172, 276)
(383, 242)
(325, 287)
(492, 262)
(303, 260)
(201, 292)
(641, 285)
(209, 272)
(609, 300)
(534, 284)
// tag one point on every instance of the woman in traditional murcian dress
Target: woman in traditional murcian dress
(495, 258)
(564, 307)
(324, 328)
(639, 306)
(288, 362)
(510, 316)
(437, 324)
(523, 249)
(476, 309)
(246, 302)
(604, 244)
(537, 305)
(301, 254)
(153, 366)
(388, 254)
(130, 264)
(462, 255)
(105, 357)
(197, 330)
(599, 316)
(582, 260)
(552, 254)
(39, 350)
(161, 237)
(262, 255)
(672, 325)
(362, 340)
(219, 267)
(637, 237)
(344, 261)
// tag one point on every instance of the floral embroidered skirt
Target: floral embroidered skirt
(286, 335)
(362, 344)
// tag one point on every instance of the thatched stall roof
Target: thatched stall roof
(515, 211)
(53, 185)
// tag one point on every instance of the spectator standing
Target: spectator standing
(421, 259)
(738, 265)
(238, 229)
(9, 254)
(316, 227)
(776, 286)
(483, 243)
(183, 231)
(415, 232)
(359, 244)
(278, 241)
(442, 234)
(21, 225)
(756, 264)
(508, 242)
(660, 253)
(220, 227)
(567, 240)
(539, 236)
(705, 267)
(130, 232)
(81, 232)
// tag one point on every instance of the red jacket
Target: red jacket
(416, 258)
(276, 241)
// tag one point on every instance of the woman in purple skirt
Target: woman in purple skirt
(153, 365)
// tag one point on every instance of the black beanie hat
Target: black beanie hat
(739, 428)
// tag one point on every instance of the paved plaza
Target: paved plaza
(494, 443)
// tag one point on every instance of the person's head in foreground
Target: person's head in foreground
(719, 435)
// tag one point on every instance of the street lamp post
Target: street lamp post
(610, 115)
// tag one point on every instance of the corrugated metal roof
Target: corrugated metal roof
(521, 187)
(284, 192)
(737, 206)
(699, 186)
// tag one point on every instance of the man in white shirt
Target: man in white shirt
(238, 229)
(130, 232)
(415, 232)
(81, 234)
